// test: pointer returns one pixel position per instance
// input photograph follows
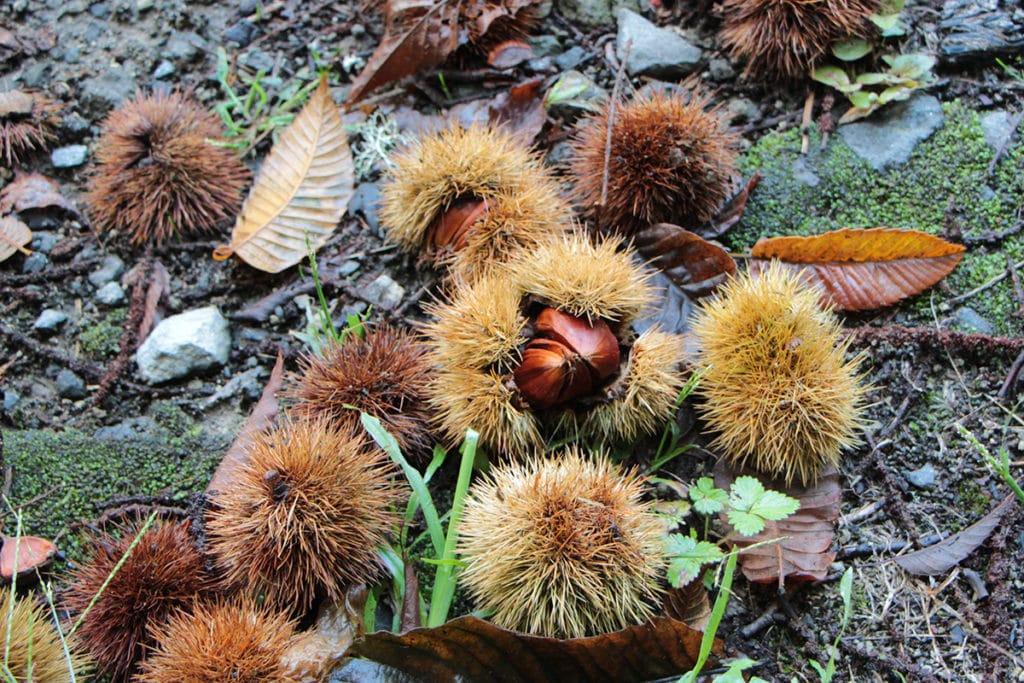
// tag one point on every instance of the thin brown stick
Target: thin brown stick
(805, 126)
(611, 122)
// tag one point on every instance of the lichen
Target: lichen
(100, 340)
(944, 186)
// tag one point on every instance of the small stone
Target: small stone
(110, 268)
(75, 123)
(653, 51)
(70, 385)
(384, 293)
(163, 70)
(183, 46)
(11, 399)
(257, 60)
(997, 129)
(348, 267)
(111, 88)
(49, 320)
(140, 428)
(100, 10)
(970, 320)
(253, 334)
(890, 136)
(70, 156)
(720, 69)
(248, 6)
(741, 110)
(71, 55)
(183, 344)
(803, 172)
(545, 45)
(571, 58)
(242, 33)
(44, 241)
(589, 14)
(110, 294)
(923, 477)
(34, 263)
(366, 200)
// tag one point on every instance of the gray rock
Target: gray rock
(75, 123)
(163, 70)
(720, 69)
(110, 268)
(109, 89)
(348, 267)
(923, 477)
(183, 45)
(34, 263)
(44, 241)
(889, 137)
(257, 60)
(653, 51)
(248, 6)
(132, 429)
(804, 172)
(741, 110)
(996, 125)
(588, 14)
(110, 294)
(242, 33)
(384, 293)
(70, 156)
(70, 385)
(11, 399)
(545, 45)
(49, 320)
(184, 344)
(35, 74)
(571, 58)
(366, 200)
(970, 320)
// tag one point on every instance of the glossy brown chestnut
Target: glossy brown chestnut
(451, 229)
(566, 360)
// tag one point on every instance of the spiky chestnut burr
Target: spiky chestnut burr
(158, 173)
(470, 198)
(777, 386)
(787, 38)
(670, 161)
(304, 516)
(545, 348)
(235, 641)
(384, 374)
(28, 122)
(33, 648)
(161, 574)
(561, 547)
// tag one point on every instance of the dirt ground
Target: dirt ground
(964, 625)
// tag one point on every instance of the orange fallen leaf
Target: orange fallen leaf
(301, 193)
(861, 269)
(14, 235)
(33, 553)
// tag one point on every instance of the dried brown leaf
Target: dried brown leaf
(314, 651)
(509, 54)
(689, 604)
(859, 269)
(260, 419)
(803, 554)
(14, 235)
(301, 193)
(470, 649)
(947, 553)
(731, 212)
(418, 35)
(692, 263)
(520, 109)
(33, 553)
(30, 191)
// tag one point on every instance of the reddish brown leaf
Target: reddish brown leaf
(418, 35)
(411, 601)
(947, 553)
(30, 191)
(479, 15)
(692, 263)
(520, 109)
(689, 604)
(34, 554)
(470, 649)
(157, 290)
(731, 212)
(260, 419)
(804, 553)
(509, 54)
(860, 269)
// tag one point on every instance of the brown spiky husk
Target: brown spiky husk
(32, 645)
(524, 205)
(671, 160)
(787, 38)
(304, 516)
(220, 641)
(561, 547)
(162, 574)
(23, 133)
(384, 374)
(777, 386)
(158, 173)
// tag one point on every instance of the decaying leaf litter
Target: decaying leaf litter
(876, 472)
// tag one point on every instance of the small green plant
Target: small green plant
(442, 541)
(828, 671)
(1016, 74)
(320, 323)
(249, 112)
(669, 447)
(1000, 465)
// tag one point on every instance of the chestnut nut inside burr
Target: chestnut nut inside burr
(452, 227)
(567, 358)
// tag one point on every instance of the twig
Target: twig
(870, 549)
(932, 339)
(981, 288)
(129, 334)
(1017, 291)
(1008, 390)
(769, 616)
(611, 123)
(49, 274)
(805, 126)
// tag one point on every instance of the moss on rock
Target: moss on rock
(947, 175)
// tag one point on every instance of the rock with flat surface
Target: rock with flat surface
(651, 51)
(888, 137)
(184, 344)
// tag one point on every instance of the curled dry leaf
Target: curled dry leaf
(689, 604)
(29, 191)
(520, 109)
(730, 213)
(692, 263)
(33, 553)
(947, 553)
(260, 419)
(470, 649)
(509, 54)
(804, 553)
(314, 651)
(14, 235)
(861, 269)
(301, 193)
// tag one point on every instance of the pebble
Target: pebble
(384, 293)
(110, 294)
(183, 45)
(163, 70)
(653, 51)
(589, 14)
(109, 89)
(887, 138)
(257, 60)
(576, 93)
(75, 123)
(110, 268)
(132, 429)
(996, 126)
(366, 200)
(242, 33)
(571, 58)
(70, 385)
(49, 320)
(11, 399)
(720, 69)
(44, 241)
(923, 477)
(34, 263)
(545, 45)
(70, 156)
(970, 320)
(183, 344)
(348, 267)
(741, 110)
